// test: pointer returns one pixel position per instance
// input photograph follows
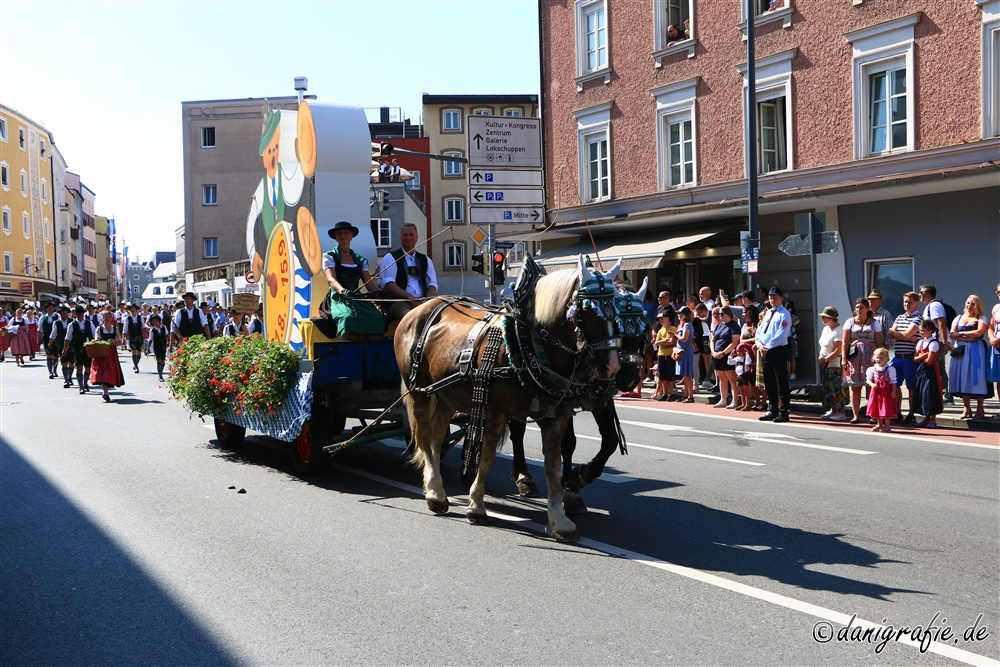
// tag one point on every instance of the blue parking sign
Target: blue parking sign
(507, 215)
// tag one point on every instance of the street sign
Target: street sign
(752, 266)
(797, 245)
(488, 215)
(507, 197)
(504, 141)
(503, 177)
(504, 245)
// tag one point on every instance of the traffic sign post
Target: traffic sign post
(508, 196)
(505, 177)
(492, 215)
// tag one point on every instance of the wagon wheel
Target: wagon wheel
(229, 435)
(308, 456)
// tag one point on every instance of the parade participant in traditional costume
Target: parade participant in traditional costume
(256, 325)
(347, 272)
(120, 315)
(107, 371)
(158, 342)
(92, 315)
(17, 330)
(236, 326)
(45, 335)
(145, 312)
(133, 326)
(4, 336)
(406, 274)
(926, 399)
(189, 321)
(60, 326)
(31, 317)
(80, 330)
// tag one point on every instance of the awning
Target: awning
(638, 252)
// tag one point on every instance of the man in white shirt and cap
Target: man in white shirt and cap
(772, 339)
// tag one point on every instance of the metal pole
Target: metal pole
(750, 132)
(812, 279)
(490, 287)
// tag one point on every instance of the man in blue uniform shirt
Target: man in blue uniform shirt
(772, 339)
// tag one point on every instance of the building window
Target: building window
(211, 247)
(156, 291)
(593, 128)
(208, 137)
(24, 183)
(210, 195)
(513, 112)
(676, 14)
(676, 145)
(482, 111)
(3, 129)
(170, 289)
(515, 256)
(414, 183)
(41, 147)
(451, 120)
(45, 191)
(452, 169)
(7, 226)
(454, 210)
(454, 256)
(25, 224)
(5, 176)
(771, 137)
(20, 137)
(8, 262)
(48, 269)
(591, 36)
(680, 150)
(27, 265)
(48, 229)
(382, 232)
(883, 87)
(991, 67)
(894, 276)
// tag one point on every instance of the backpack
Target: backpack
(949, 313)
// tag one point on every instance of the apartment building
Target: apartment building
(28, 270)
(452, 240)
(882, 116)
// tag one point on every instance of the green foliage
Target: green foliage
(250, 373)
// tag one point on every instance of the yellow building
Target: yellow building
(454, 239)
(106, 284)
(28, 269)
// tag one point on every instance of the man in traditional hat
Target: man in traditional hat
(158, 342)
(80, 330)
(44, 336)
(772, 340)
(133, 325)
(189, 321)
(60, 325)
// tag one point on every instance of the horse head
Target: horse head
(596, 318)
(633, 324)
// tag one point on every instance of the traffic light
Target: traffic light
(479, 263)
(381, 201)
(499, 272)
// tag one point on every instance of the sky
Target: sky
(107, 78)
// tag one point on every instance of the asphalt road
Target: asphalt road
(717, 540)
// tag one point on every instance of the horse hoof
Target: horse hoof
(567, 535)
(477, 519)
(526, 488)
(573, 503)
(438, 506)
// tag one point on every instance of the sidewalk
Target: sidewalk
(802, 405)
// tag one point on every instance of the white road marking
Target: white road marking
(827, 429)
(781, 439)
(777, 599)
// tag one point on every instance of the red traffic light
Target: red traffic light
(498, 258)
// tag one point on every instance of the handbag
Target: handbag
(958, 351)
(677, 354)
(852, 351)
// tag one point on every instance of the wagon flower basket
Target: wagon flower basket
(98, 349)
(246, 374)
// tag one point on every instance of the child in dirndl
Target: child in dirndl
(881, 380)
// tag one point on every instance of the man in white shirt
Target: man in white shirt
(406, 274)
(189, 321)
(934, 310)
(772, 340)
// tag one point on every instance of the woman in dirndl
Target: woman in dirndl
(31, 316)
(993, 358)
(20, 344)
(107, 371)
(4, 336)
(862, 334)
(967, 374)
(347, 272)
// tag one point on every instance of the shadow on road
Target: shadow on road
(70, 596)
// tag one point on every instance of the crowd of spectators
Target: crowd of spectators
(744, 349)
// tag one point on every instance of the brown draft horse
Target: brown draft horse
(580, 344)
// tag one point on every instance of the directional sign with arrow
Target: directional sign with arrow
(504, 141)
(507, 197)
(488, 215)
(506, 177)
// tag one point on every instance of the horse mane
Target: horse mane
(553, 295)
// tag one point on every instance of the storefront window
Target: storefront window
(894, 277)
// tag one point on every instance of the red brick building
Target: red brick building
(881, 114)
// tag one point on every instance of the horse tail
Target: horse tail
(416, 455)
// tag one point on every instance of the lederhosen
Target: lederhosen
(190, 326)
(59, 328)
(47, 335)
(134, 332)
(82, 332)
(159, 337)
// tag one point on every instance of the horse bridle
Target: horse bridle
(595, 295)
(631, 322)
